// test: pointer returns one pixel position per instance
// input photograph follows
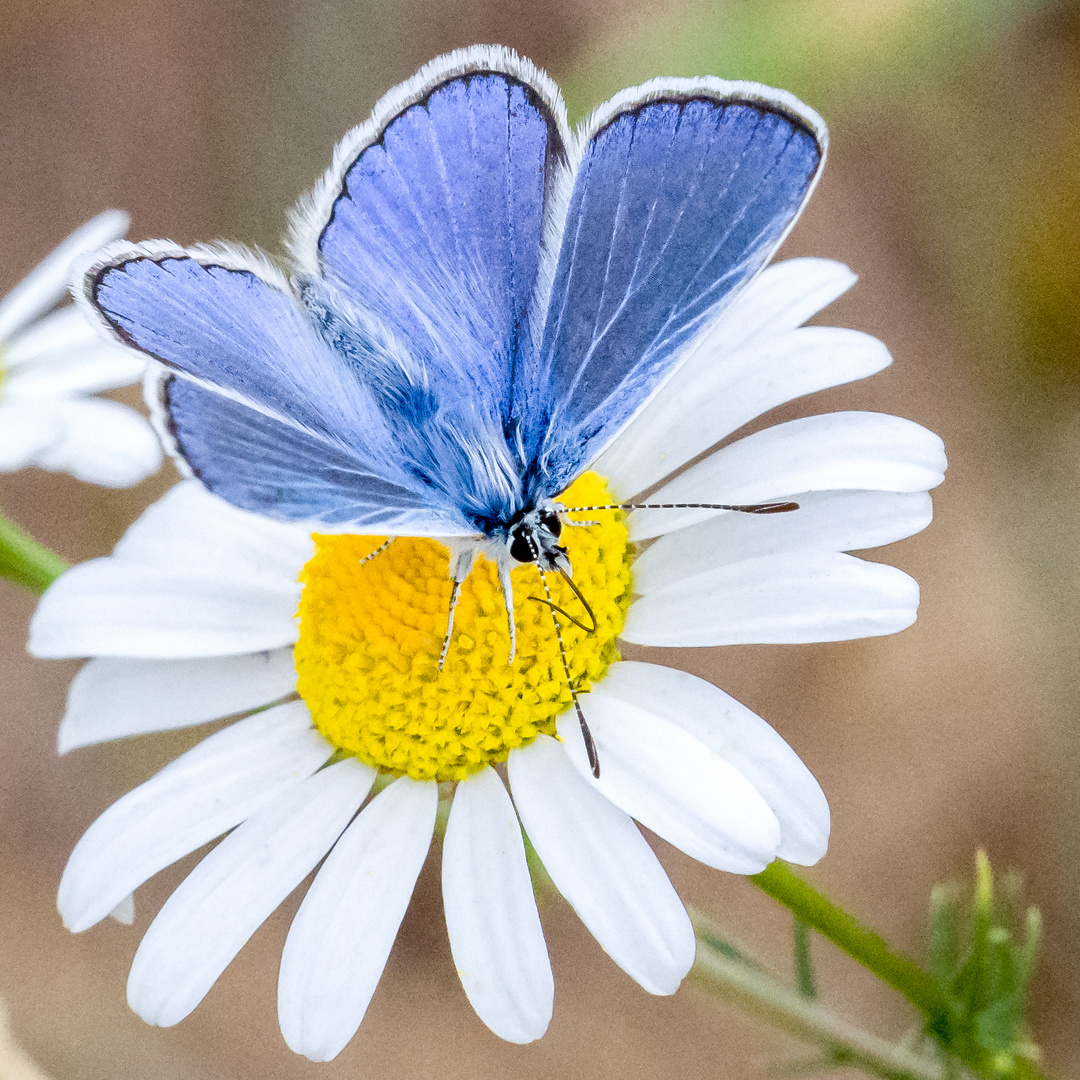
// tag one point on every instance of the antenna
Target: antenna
(754, 508)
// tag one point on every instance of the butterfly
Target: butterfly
(481, 300)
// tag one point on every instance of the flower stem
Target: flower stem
(780, 882)
(26, 562)
(840, 1042)
(804, 962)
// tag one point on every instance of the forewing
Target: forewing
(258, 463)
(432, 215)
(227, 320)
(684, 190)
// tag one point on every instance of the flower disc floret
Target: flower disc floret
(371, 633)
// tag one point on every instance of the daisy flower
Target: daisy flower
(52, 362)
(404, 597)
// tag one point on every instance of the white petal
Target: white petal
(47, 283)
(790, 598)
(495, 934)
(104, 443)
(58, 332)
(124, 912)
(191, 577)
(782, 297)
(188, 528)
(194, 799)
(723, 390)
(26, 430)
(116, 607)
(602, 865)
(342, 935)
(86, 369)
(825, 521)
(831, 451)
(741, 737)
(673, 784)
(228, 896)
(111, 698)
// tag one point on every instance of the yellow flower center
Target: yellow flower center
(371, 633)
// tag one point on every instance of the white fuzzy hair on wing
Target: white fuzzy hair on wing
(154, 383)
(227, 255)
(488, 458)
(556, 209)
(311, 213)
(157, 375)
(387, 362)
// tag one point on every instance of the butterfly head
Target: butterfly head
(533, 537)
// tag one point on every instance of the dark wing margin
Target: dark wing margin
(683, 192)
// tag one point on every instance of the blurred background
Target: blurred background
(953, 189)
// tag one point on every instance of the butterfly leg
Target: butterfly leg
(508, 600)
(454, 595)
(462, 565)
(378, 551)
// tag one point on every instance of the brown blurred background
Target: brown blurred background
(953, 188)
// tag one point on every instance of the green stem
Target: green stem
(841, 1042)
(804, 961)
(26, 562)
(780, 882)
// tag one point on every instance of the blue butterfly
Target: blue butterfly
(481, 300)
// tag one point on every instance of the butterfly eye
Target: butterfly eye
(551, 521)
(522, 546)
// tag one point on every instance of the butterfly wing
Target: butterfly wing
(684, 190)
(430, 223)
(227, 320)
(432, 214)
(265, 413)
(260, 464)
